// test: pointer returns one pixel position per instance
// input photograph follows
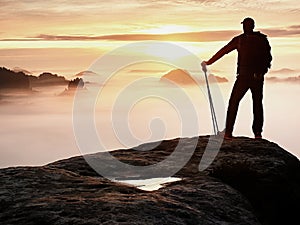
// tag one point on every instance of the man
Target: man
(254, 60)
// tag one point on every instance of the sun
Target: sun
(165, 52)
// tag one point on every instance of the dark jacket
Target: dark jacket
(254, 53)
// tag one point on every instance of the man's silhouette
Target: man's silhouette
(254, 60)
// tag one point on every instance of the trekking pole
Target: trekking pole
(212, 109)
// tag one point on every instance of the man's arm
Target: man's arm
(232, 45)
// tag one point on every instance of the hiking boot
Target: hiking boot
(257, 135)
(226, 135)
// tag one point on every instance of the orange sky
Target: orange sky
(67, 36)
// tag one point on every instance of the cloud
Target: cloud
(205, 36)
(146, 71)
(85, 73)
(283, 71)
(105, 17)
(294, 27)
(188, 37)
(293, 30)
(293, 80)
(123, 18)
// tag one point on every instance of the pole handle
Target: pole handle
(204, 68)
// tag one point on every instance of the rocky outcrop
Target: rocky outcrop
(249, 182)
(73, 86)
(76, 83)
(179, 76)
(183, 78)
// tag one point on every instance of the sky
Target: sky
(67, 37)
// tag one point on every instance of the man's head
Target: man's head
(248, 25)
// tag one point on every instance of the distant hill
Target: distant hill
(11, 79)
(18, 69)
(293, 80)
(182, 77)
(21, 80)
(47, 79)
(213, 78)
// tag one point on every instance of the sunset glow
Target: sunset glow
(100, 26)
(168, 29)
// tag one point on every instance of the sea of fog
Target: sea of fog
(38, 127)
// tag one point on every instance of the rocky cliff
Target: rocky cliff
(249, 182)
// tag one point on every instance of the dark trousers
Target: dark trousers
(241, 86)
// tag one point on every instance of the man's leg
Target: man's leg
(238, 91)
(258, 113)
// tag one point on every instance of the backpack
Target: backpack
(255, 52)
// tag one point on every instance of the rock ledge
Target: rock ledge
(249, 182)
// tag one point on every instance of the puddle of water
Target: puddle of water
(150, 184)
